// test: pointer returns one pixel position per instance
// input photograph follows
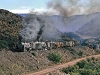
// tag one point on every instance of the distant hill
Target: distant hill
(10, 25)
(67, 22)
(91, 28)
(85, 25)
(72, 23)
(23, 15)
(74, 35)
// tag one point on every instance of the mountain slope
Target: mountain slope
(91, 28)
(68, 24)
(74, 35)
(85, 25)
(10, 25)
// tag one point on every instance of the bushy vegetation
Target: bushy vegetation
(88, 67)
(10, 25)
(3, 44)
(80, 53)
(56, 58)
(34, 54)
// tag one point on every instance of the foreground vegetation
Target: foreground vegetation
(3, 44)
(85, 67)
(56, 58)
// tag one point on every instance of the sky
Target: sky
(71, 7)
(23, 6)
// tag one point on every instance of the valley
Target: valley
(15, 30)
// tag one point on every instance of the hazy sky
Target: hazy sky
(20, 6)
(75, 6)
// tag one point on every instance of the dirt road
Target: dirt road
(53, 68)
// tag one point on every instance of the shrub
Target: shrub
(56, 58)
(88, 59)
(93, 58)
(87, 67)
(68, 70)
(34, 54)
(3, 44)
(74, 73)
(81, 64)
(80, 53)
(86, 72)
(65, 70)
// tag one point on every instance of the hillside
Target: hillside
(53, 27)
(14, 63)
(80, 66)
(85, 25)
(10, 25)
(74, 35)
(40, 27)
(91, 28)
(90, 66)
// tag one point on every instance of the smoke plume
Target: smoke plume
(38, 28)
(31, 27)
(74, 7)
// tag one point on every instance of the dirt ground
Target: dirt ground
(21, 63)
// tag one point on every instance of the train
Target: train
(28, 46)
